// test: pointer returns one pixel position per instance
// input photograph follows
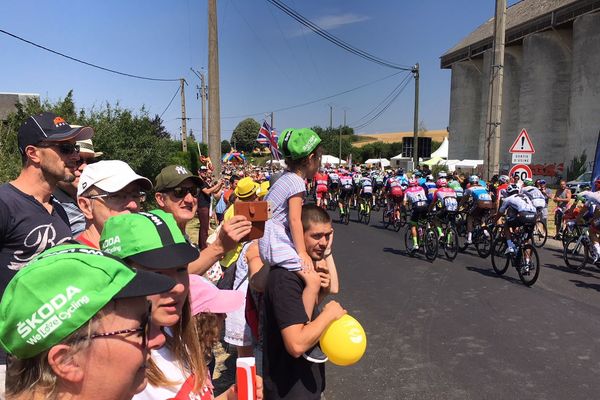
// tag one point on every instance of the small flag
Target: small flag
(268, 137)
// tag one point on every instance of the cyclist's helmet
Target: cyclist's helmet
(417, 173)
(442, 182)
(442, 174)
(503, 179)
(512, 189)
(429, 178)
(365, 174)
(413, 182)
(473, 179)
(400, 171)
(528, 182)
(585, 187)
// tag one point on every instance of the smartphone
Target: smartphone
(257, 212)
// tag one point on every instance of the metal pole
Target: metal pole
(182, 82)
(214, 106)
(495, 100)
(203, 96)
(415, 72)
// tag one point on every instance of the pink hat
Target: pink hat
(206, 297)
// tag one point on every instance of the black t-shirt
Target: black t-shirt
(286, 377)
(203, 199)
(26, 230)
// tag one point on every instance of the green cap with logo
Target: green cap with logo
(151, 239)
(298, 143)
(61, 290)
(171, 176)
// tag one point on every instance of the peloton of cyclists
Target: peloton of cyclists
(415, 199)
(481, 204)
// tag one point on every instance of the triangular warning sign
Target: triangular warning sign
(522, 144)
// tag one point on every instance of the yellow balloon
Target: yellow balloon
(344, 341)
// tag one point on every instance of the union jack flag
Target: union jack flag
(268, 137)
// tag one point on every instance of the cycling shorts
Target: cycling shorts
(418, 213)
(477, 212)
(321, 188)
(524, 218)
(334, 186)
(365, 195)
(345, 194)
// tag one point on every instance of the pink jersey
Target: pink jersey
(447, 196)
(416, 196)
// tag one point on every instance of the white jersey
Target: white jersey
(334, 178)
(592, 199)
(536, 196)
(518, 203)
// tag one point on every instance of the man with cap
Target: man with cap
(31, 220)
(207, 189)
(108, 188)
(83, 326)
(66, 192)
(176, 191)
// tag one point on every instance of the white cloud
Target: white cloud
(331, 22)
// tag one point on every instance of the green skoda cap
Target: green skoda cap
(298, 143)
(61, 290)
(150, 239)
(171, 176)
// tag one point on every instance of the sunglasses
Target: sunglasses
(181, 192)
(86, 161)
(64, 148)
(121, 198)
(144, 329)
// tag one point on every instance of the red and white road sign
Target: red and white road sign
(522, 144)
(522, 170)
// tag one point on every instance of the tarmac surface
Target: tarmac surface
(456, 330)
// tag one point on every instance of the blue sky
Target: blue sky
(267, 60)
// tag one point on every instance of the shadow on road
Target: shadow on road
(564, 268)
(394, 251)
(491, 273)
(586, 285)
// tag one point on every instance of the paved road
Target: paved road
(455, 330)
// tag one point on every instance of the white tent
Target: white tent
(442, 151)
(326, 159)
(383, 161)
(450, 164)
(468, 164)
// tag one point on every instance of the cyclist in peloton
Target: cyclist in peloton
(430, 188)
(366, 190)
(334, 181)
(480, 206)
(415, 197)
(346, 190)
(378, 183)
(519, 211)
(443, 202)
(394, 190)
(321, 179)
(534, 194)
(454, 184)
(591, 212)
(503, 181)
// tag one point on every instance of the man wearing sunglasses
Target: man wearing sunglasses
(108, 188)
(176, 193)
(66, 192)
(31, 220)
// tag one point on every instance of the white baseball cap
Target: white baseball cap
(110, 176)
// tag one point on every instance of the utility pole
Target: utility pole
(203, 95)
(272, 126)
(182, 82)
(214, 106)
(345, 109)
(494, 117)
(415, 72)
(330, 116)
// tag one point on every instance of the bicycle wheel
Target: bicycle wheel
(529, 265)
(346, 215)
(483, 243)
(540, 234)
(500, 260)
(575, 254)
(431, 244)
(386, 218)
(367, 217)
(450, 243)
(408, 242)
(398, 223)
(461, 229)
(361, 215)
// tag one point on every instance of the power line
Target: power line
(398, 90)
(169, 105)
(314, 101)
(333, 39)
(385, 100)
(85, 62)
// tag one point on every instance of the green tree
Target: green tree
(225, 146)
(244, 135)
(577, 167)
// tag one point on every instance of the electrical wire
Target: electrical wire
(398, 90)
(85, 62)
(335, 40)
(313, 101)
(169, 105)
(384, 101)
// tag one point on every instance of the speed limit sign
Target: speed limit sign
(522, 170)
